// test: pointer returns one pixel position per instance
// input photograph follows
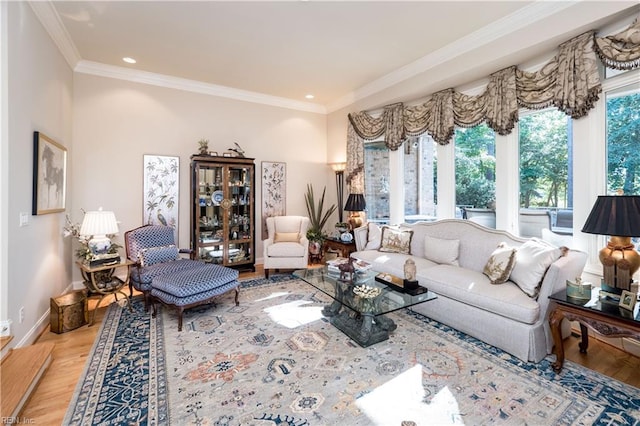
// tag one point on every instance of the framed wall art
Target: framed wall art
(49, 175)
(274, 190)
(161, 191)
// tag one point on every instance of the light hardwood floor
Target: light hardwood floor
(49, 402)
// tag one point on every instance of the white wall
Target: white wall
(116, 122)
(39, 99)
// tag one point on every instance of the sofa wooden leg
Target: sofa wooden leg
(266, 273)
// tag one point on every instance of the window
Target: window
(546, 178)
(419, 179)
(475, 162)
(623, 140)
(376, 181)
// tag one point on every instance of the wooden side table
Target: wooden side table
(604, 317)
(101, 281)
(345, 249)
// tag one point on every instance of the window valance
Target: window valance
(569, 81)
(621, 51)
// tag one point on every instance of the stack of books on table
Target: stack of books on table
(333, 265)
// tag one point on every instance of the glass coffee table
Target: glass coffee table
(359, 306)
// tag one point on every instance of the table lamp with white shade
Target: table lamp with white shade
(99, 224)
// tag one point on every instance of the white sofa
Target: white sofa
(499, 314)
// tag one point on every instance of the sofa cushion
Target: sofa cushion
(474, 288)
(290, 237)
(374, 237)
(500, 264)
(392, 263)
(440, 250)
(395, 240)
(532, 260)
(152, 255)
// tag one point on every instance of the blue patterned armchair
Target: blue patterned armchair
(154, 252)
(162, 275)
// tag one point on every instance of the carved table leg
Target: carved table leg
(555, 322)
(584, 344)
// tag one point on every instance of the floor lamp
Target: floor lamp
(338, 168)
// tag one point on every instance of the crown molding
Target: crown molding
(161, 80)
(51, 22)
(500, 28)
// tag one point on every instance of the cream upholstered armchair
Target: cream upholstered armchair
(287, 246)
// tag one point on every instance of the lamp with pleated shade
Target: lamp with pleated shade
(619, 217)
(98, 224)
(355, 204)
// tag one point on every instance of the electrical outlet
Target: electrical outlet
(24, 219)
(21, 314)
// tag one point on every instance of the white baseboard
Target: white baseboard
(35, 331)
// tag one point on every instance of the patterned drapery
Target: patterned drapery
(621, 51)
(389, 124)
(355, 160)
(570, 81)
(434, 116)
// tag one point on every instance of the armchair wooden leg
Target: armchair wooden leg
(180, 312)
(237, 294)
(155, 312)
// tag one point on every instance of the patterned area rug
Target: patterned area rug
(274, 360)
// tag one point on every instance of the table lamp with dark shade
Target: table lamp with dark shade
(355, 204)
(619, 217)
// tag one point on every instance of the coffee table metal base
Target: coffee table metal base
(365, 329)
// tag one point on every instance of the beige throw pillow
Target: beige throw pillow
(500, 264)
(441, 251)
(395, 240)
(287, 237)
(374, 235)
(532, 260)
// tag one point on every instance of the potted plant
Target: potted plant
(317, 218)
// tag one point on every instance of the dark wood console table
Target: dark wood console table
(605, 317)
(345, 249)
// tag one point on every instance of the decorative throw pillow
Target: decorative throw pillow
(441, 251)
(532, 260)
(374, 235)
(287, 237)
(395, 240)
(152, 255)
(500, 264)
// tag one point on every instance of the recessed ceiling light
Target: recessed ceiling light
(129, 60)
(309, 96)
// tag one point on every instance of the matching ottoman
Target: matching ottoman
(193, 287)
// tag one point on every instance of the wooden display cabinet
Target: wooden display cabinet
(223, 210)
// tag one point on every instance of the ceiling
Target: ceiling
(336, 51)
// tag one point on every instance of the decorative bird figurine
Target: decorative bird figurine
(238, 150)
(161, 218)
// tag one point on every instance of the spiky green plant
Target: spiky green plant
(317, 216)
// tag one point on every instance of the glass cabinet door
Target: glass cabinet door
(210, 227)
(239, 220)
(223, 211)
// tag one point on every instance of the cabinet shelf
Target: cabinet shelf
(231, 241)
